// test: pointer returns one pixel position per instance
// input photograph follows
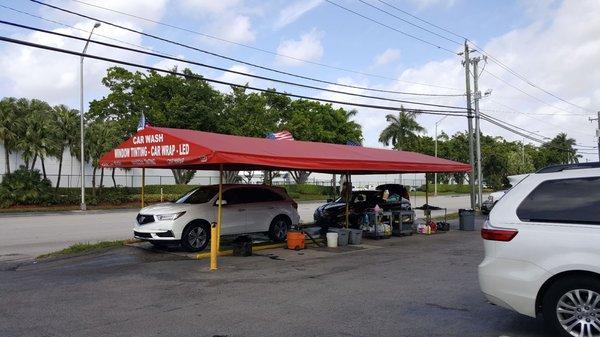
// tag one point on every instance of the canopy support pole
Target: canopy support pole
(215, 240)
(347, 197)
(427, 211)
(143, 183)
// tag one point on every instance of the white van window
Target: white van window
(574, 200)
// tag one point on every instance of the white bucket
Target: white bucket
(332, 240)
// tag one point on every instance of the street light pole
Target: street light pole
(435, 150)
(81, 119)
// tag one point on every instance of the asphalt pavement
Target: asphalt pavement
(27, 235)
(410, 286)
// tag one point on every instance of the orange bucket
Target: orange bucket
(295, 240)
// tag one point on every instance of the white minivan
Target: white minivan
(542, 249)
(246, 209)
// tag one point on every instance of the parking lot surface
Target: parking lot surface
(411, 286)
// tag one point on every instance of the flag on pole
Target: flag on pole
(143, 122)
(283, 135)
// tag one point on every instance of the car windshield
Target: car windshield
(371, 197)
(361, 196)
(199, 195)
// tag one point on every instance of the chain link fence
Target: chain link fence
(135, 180)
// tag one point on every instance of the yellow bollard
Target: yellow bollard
(143, 183)
(214, 246)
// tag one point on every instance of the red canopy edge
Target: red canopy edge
(155, 147)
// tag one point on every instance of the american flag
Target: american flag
(282, 135)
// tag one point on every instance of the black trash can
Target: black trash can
(242, 246)
(466, 219)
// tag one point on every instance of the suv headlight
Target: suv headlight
(168, 217)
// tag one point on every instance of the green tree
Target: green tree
(67, 133)
(560, 150)
(166, 100)
(8, 120)
(402, 130)
(457, 148)
(251, 115)
(101, 137)
(316, 122)
(35, 130)
(519, 162)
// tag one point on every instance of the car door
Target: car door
(264, 206)
(234, 212)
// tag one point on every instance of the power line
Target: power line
(224, 69)
(490, 56)
(173, 72)
(254, 48)
(422, 20)
(524, 79)
(528, 131)
(410, 23)
(524, 132)
(72, 27)
(390, 27)
(526, 93)
(528, 115)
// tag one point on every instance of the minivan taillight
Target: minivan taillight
(498, 234)
(295, 205)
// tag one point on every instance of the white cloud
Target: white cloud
(389, 55)
(210, 6)
(236, 28)
(153, 10)
(240, 79)
(560, 52)
(429, 3)
(170, 64)
(294, 11)
(54, 77)
(308, 48)
(225, 19)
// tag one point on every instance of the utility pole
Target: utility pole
(81, 119)
(597, 132)
(477, 130)
(467, 63)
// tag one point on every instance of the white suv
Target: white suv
(542, 249)
(246, 209)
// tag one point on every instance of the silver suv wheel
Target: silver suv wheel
(578, 312)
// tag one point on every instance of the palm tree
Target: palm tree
(67, 133)
(7, 127)
(560, 150)
(36, 131)
(101, 137)
(402, 130)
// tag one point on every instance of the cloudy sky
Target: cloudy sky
(553, 47)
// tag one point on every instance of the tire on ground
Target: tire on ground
(277, 233)
(198, 229)
(553, 295)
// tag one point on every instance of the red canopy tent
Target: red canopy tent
(168, 148)
(178, 148)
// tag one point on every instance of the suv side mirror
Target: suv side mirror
(329, 200)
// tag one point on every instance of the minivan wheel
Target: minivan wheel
(571, 307)
(279, 228)
(195, 237)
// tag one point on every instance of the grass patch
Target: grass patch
(84, 247)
